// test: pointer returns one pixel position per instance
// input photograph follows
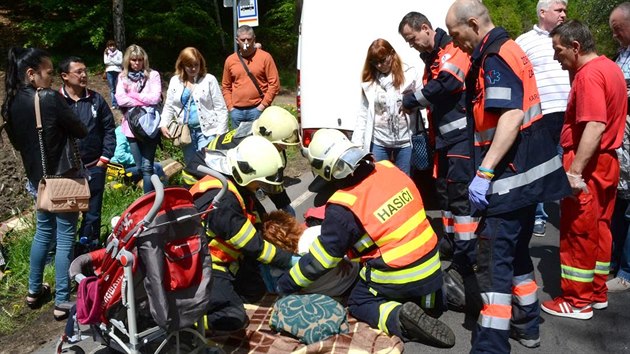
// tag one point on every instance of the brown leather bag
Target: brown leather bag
(59, 194)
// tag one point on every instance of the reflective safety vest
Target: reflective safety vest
(221, 251)
(530, 172)
(393, 216)
(448, 114)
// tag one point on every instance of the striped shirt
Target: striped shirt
(553, 82)
(623, 60)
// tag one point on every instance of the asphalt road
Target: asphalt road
(607, 332)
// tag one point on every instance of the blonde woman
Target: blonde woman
(382, 128)
(194, 98)
(139, 86)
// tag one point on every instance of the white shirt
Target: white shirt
(553, 82)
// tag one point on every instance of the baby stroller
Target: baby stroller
(151, 283)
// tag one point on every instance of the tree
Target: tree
(119, 23)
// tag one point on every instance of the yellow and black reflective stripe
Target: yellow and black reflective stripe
(223, 247)
(406, 275)
(324, 258)
(243, 236)
(188, 179)
(384, 310)
(363, 244)
(298, 277)
(577, 274)
(268, 252)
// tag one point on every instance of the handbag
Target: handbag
(144, 122)
(59, 194)
(309, 318)
(184, 136)
(421, 149)
(180, 132)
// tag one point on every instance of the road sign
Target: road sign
(248, 13)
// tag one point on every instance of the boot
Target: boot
(417, 326)
(455, 290)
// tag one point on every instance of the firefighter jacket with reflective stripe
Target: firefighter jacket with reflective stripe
(393, 216)
(231, 226)
(444, 75)
(530, 172)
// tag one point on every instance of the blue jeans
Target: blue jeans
(620, 229)
(112, 81)
(401, 157)
(144, 155)
(198, 141)
(238, 115)
(59, 227)
(91, 224)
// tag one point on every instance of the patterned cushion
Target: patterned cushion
(310, 318)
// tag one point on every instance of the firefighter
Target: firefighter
(275, 124)
(387, 232)
(517, 167)
(236, 243)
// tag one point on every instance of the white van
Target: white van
(333, 42)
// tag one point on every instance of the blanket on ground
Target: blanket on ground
(259, 338)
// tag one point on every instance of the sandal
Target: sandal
(62, 311)
(35, 301)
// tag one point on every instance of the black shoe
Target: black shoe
(525, 340)
(455, 290)
(417, 326)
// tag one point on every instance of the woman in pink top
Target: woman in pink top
(138, 85)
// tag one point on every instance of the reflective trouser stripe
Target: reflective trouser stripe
(497, 311)
(298, 277)
(465, 227)
(428, 301)
(577, 274)
(484, 137)
(504, 185)
(384, 310)
(447, 221)
(524, 289)
(602, 268)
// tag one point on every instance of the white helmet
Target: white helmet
(332, 155)
(277, 125)
(256, 159)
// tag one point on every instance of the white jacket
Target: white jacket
(113, 63)
(212, 112)
(364, 127)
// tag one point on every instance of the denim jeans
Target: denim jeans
(112, 81)
(238, 115)
(540, 212)
(91, 224)
(143, 155)
(198, 141)
(620, 229)
(401, 156)
(62, 227)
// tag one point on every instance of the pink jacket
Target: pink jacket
(128, 96)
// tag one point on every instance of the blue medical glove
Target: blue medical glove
(409, 101)
(477, 193)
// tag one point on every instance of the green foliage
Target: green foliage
(513, 15)
(595, 14)
(279, 33)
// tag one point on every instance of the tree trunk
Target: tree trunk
(119, 24)
(218, 19)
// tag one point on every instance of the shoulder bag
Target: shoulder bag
(180, 133)
(59, 194)
(144, 121)
(249, 73)
(421, 150)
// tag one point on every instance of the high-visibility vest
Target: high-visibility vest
(448, 115)
(393, 216)
(530, 172)
(221, 251)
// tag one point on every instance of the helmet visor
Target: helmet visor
(347, 162)
(270, 188)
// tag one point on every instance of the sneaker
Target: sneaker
(540, 227)
(599, 305)
(524, 340)
(417, 326)
(561, 308)
(617, 284)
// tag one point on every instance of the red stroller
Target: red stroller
(152, 281)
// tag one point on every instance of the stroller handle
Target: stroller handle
(220, 177)
(159, 198)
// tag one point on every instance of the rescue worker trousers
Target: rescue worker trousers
(505, 275)
(585, 237)
(380, 311)
(227, 312)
